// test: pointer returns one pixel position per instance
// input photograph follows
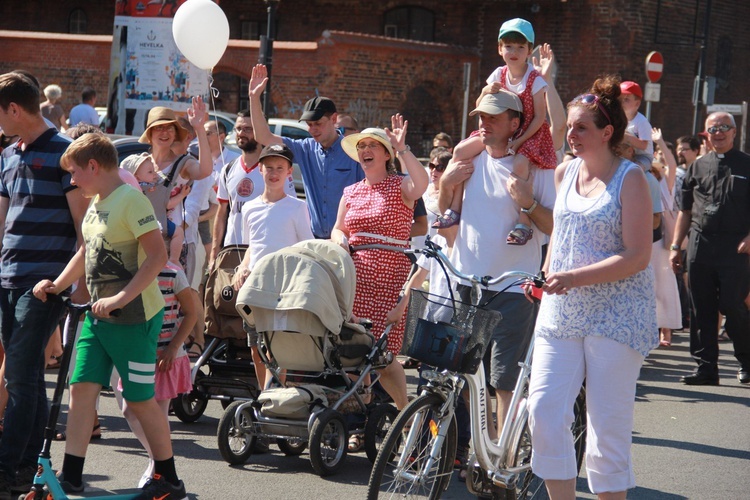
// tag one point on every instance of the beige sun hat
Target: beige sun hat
(350, 141)
(160, 115)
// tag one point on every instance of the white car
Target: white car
(284, 127)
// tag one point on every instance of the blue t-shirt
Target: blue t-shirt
(325, 173)
(40, 235)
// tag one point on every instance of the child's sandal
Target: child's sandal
(448, 219)
(520, 235)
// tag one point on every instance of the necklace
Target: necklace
(599, 180)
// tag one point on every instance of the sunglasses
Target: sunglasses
(436, 166)
(590, 99)
(719, 128)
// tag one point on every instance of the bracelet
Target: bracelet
(531, 209)
(674, 247)
(407, 148)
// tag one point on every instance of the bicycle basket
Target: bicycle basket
(447, 337)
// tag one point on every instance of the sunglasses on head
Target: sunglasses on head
(593, 99)
(436, 166)
(719, 128)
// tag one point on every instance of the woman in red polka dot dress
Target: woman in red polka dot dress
(380, 209)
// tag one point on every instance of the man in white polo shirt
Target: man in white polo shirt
(492, 198)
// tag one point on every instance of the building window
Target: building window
(250, 30)
(78, 21)
(413, 23)
(724, 62)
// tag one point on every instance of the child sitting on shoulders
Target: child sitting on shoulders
(533, 141)
(638, 133)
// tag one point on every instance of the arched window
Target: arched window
(412, 23)
(724, 62)
(78, 21)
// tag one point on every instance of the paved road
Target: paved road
(689, 442)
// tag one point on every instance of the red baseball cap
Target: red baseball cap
(631, 88)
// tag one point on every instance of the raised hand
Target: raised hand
(258, 81)
(656, 135)
(545, 64)
(397, 133)
(196, 113)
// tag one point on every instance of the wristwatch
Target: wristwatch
(531, 209)
(674, 247)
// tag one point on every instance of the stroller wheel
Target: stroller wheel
(189, 407)
(379, 421)
(236, 442)
(328, 442)
(291, 447)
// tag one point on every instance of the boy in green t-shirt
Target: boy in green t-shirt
(122, 255)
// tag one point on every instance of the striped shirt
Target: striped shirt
(172, 281)
(40, 235)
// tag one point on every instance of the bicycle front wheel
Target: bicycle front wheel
(414, 461)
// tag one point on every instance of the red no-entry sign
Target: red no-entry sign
(654, 66)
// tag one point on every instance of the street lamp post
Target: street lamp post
(266, 50)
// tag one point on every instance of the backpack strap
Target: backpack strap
(177, 166)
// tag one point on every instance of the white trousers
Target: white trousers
(558, 369)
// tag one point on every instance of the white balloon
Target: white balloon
(201, 32)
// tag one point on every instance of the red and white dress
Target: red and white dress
(538, 148)
(381, 274)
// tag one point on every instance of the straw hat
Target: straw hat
(349, 144)
(160, 115)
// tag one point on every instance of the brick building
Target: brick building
(396, 55)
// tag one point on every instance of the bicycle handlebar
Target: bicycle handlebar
(433, 250)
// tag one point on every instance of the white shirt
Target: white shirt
(243, 184)
(641, 128)
(518, 88)
(268, 227)
(489, 213)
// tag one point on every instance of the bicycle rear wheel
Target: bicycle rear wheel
(529, 484)
(409, 464)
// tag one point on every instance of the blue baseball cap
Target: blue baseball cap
(517, 25)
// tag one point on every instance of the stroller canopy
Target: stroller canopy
(308, 287)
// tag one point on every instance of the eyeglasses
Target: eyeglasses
(162, 128)
(719, 128)
(436, 166)
(593, 99)
(373, 146)
(243, 130)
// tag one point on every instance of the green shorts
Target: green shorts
(130, 348)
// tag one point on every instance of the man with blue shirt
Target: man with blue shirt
(40, 223)
(85, 111)
(326, 168)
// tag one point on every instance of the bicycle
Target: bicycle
(417, 458)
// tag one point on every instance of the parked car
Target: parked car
(284, 127)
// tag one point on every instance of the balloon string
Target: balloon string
(214, 91)
(214, 94)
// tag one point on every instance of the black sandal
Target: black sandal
(61, 436)
(192, 354)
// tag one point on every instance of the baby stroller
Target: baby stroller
(225, 370)
(299, 299)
